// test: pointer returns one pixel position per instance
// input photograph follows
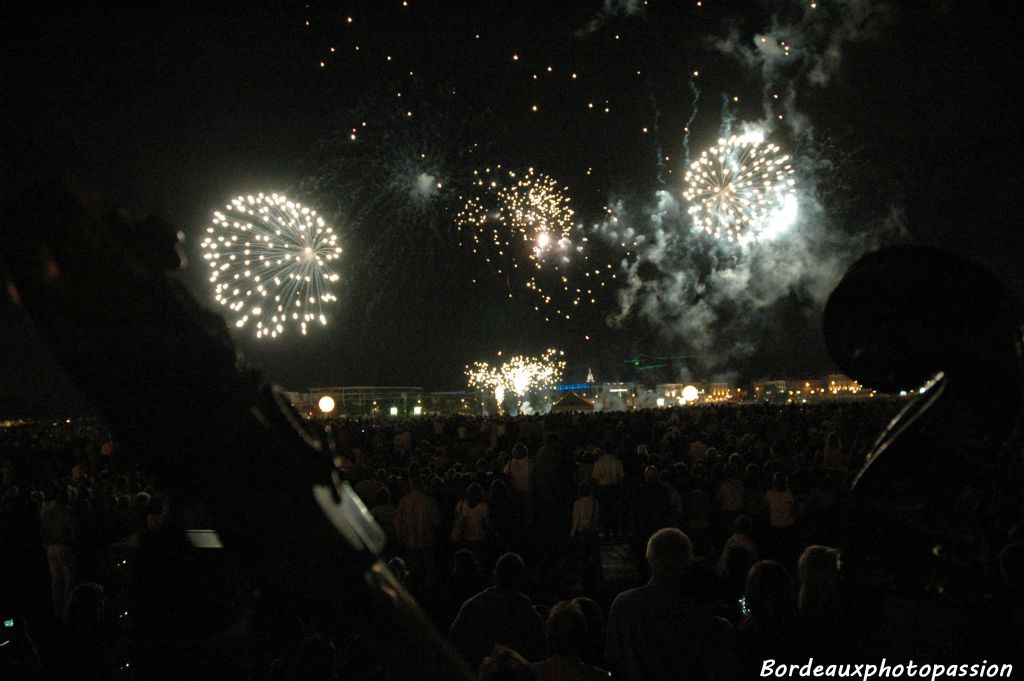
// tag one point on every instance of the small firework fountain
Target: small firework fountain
(517, 376)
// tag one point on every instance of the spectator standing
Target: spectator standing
(470, 526)
(503, 522)
(730, 496)
(834, 460)
(819, 603)
(592, 612)
(769, 630)
(553, 492)
(658, 633)
(652, 505)
(586, 512)
(586, 522)
(519, 470)
(742, 536)
(464, 582)
(58, 535)
(567, 640)
(554, 473)
(501, 614)
(781, 514)
(416, 521)
(698, 448)
(608, 475)
(384, 513)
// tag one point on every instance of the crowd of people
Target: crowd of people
(689, 543)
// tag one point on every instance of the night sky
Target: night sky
(904, 124)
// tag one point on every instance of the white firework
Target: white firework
(737, 187)
(523, 225)
(517, 376)
(270, 263)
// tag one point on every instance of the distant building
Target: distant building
(770, 391)
(452, 402)
(719, 392)
(793, 391)
(614, 396)
(362, 400)
(673, 392)
(839, 384)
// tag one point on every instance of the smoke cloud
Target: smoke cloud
(609, 10)
(723, 302)
(425, 187)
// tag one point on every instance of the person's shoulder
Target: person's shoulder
(592, 673)
(545, 668)
(630, 596)
(481, 599)
(521, 600)
(720, 625)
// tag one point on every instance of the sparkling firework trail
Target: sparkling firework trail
(270, 263)
(735, 188)
(518, 375)
(523, 225)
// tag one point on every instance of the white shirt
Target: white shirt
(519, 472)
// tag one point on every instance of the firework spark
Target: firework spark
(270, 263)
(737, 186)
(523, 225)
(392, 181)
(517, 376)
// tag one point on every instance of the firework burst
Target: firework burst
(523, 225)
(391, 179)
(517, 376)
(270, 263)
(737, 186)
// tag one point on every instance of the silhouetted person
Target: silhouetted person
(416, 521)
(594, 653)
(501, 614)
(85, 650)
(770, 630)
(464, 582)
(554, 473)
(819, 603)
(743, 528)
(567, 640)
(659, 631)
(57, 529)
(504, 524)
